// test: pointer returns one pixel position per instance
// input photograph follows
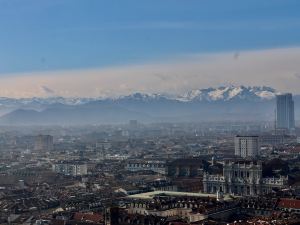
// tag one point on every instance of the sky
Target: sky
(108, 48)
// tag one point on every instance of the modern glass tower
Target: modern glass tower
(285, 118)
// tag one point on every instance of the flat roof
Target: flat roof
(150, 195)
(245, 136)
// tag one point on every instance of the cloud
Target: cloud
(162, 77)
(277, 68)
(47, 90)
(297, 75)
(269, 25)
(236, 55)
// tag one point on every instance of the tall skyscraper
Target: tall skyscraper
(247, 146)
(285, 118)
(43, 143)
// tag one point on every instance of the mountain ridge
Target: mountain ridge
(209, 94)
(227, 103)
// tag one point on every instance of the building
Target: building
(277, 139)
(190, 167)
(285, 118)
(157, 166)
(43, 143)
(70, 168)
(242, 178)
(292, 205)
(272, 140)
(133, 124)
(164, 207)
(247, 146)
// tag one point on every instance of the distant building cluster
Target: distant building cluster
(70, 168)
(230, 172)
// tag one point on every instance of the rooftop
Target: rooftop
(150, 195)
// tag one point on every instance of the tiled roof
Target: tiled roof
(289, 203)
(93, 217)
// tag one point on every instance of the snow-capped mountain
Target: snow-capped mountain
(142, 97)
(211, 94)
(228, 103)
(208, 94)
(230, 93)
(44, 101)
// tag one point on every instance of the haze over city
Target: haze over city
(161, 112)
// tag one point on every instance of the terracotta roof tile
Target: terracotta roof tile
(93, 217)
(289, 203)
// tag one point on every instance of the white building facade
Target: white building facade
(70, 168)
(156, 166)
(242, 178)
(247, 146)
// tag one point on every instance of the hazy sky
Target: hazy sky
(112, 47)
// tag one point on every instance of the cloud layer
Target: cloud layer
(278, 68)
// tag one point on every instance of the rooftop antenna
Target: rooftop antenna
(275, 124)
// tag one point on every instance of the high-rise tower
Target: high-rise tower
(285, 118)
(43, 143)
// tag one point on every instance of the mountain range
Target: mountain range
(222, 103)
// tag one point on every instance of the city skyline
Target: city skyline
(162, 112)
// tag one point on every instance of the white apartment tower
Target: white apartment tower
(247, 146)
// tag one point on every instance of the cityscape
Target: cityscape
(157, 173)
(149, 113)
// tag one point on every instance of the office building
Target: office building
(247, 146)
(43, 143)
(285, 112)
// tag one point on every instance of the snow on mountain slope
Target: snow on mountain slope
(208, 94)
(231, 102)
(229, 93)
